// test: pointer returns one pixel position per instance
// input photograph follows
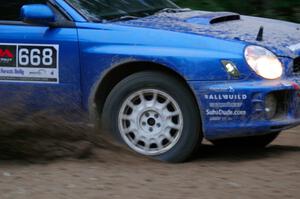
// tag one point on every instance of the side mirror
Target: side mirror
(38, 14)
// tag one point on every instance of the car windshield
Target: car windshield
(99, 10)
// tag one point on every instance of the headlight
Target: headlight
(263, 62)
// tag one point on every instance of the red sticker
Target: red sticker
(6, 53)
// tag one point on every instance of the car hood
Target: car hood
(281, 37)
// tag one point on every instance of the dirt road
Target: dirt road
(214, 173)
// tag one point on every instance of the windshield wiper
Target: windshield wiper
(122, 18)
(173, 10)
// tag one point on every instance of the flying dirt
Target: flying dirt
(39, 163)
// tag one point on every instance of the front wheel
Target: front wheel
(155, 115)
(260, 141)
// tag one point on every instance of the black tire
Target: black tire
(191, 133)
(247, 142)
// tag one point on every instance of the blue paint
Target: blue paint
(183, 42)
(37, 12)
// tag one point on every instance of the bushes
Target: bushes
(286, 10)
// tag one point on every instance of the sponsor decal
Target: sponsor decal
(229, 89)
(226, 97)
(225, 106)
(221, 112)
(7, 55)
(29, 63)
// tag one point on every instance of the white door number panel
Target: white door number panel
(29, 63)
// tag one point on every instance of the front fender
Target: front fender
(194, 57)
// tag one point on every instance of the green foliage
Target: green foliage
(280, 9)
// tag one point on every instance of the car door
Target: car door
(39, 65)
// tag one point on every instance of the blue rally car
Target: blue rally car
(157, 77)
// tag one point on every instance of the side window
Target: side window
(10, 10)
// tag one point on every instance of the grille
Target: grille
(296, 67)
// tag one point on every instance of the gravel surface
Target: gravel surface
(112, 173)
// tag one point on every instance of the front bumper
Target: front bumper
(237, 108)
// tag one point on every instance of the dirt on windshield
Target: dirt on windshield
(74, 166)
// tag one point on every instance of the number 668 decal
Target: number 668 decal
(37, 56)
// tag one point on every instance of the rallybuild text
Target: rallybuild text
(225, 107)
(226, 97)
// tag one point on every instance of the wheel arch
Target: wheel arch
(111, 77)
